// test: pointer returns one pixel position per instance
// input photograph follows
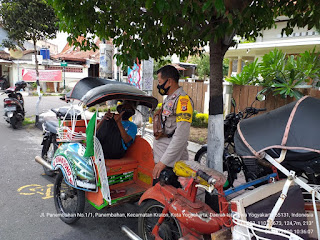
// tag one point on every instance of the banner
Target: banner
(134, 76)
(29, 75)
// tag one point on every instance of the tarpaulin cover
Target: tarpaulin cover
(295, 126)
(92, 91)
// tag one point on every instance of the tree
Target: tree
(203, 65)
(158, 28)
(28, 20)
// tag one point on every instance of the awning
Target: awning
(179, 68)
(290, 46)
(5, 61)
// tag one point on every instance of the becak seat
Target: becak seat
(130, 161)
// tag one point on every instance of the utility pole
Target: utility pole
(105, 68)
(64, 64)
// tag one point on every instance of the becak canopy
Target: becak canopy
(92, 91)
(295, 127)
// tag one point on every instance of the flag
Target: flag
(90, 133)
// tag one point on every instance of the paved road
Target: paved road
(46, 103)
(26, 203)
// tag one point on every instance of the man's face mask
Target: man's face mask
(127, 113)
(162, 90)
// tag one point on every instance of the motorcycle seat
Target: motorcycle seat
(294, 155)
(66, 113)
(51, 126)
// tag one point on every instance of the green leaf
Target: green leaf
(160, 5)
(208, 5)
(149, 4)
(219, 5)
(297, 94)
(184, 10)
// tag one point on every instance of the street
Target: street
(26, 200)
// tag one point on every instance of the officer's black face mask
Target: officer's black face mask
(162, 90)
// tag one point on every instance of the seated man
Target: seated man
(115, 132)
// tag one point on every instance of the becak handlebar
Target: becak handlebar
(210, 180)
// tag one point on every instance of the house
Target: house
(301, 40)
(78, 66)
(186, 70)
(80, 63)
(5, 62)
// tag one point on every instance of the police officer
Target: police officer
(176, 116)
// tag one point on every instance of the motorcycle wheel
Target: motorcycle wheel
(69, 201)
(170, 228)
(48, 150)
(201, 157)
(14, 122)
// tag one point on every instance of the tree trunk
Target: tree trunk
(215, 124)
(37, 81)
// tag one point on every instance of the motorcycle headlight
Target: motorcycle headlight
(10, 114)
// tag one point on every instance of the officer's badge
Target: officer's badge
(166, 112)
(184, 109)
(184, 104)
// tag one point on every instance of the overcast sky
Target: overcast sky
(61, 40)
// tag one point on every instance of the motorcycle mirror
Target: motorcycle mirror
(233, 103)
(260, 97)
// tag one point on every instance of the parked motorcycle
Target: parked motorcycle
(304, 161)
(4, 82)
(14, 105)
(49, 141)
(232, 163)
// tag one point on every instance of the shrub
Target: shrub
(280, 73)
(203, 117)
(199, 119)
(28, 121)
(92, 109)
(112, 109)
(103, 109)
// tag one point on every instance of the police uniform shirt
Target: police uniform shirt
(177, 114)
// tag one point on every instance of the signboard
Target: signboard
(63, 64)
(29, 75)
(134, 76)
(147, 75)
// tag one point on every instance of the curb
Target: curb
(193, 147)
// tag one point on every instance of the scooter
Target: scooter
(49, 142)
(14, 105)
(4, 82)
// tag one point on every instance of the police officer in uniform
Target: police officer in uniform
(170, 144)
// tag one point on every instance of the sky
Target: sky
(61, 40)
